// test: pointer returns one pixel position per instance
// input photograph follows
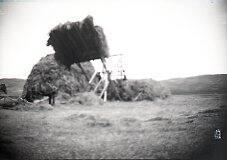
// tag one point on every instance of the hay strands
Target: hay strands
(76, 42)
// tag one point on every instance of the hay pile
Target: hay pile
(8, 102)
(11, 103)
(23, 105)
(41, 105)
(47, 72)
(85, 98)
(75, 42)
(136, 90)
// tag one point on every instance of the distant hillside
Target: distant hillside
(190, 85)
(14, 86)
(198, 84)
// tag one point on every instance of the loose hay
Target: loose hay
(63, 98)
(129, 121)
(34, 107)
(158, 119)
(86, 98)
(10, 103)
(74, 117)
(90, 120)
(99, 122)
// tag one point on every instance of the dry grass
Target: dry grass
(178, 127)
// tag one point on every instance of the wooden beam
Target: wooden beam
(93, 76)
(96, 87)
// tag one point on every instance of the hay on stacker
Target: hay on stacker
(76, 42)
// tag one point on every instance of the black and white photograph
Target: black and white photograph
(113, 79)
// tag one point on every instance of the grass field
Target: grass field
(180, 127)
(14, 86)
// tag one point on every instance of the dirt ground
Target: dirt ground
(180, 127)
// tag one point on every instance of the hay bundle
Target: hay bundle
(47, 75)
(76, 42)
(136, 90)
(11, 103)
(8, 102)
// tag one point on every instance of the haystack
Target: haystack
(47, 72)
(137, 90)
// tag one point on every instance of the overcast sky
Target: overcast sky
(160, 39)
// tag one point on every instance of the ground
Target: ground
(182, 127)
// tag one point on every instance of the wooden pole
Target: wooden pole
(104, 90)
(135, 99)
(93, 76)
(105, 96)
(96, 87)
(106, 80)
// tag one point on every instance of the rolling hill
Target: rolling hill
(191, 85)
(14, 86)
(198, 85)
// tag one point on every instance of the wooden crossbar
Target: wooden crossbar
(105, 78)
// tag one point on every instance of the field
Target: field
(14, 86)
(181, 127)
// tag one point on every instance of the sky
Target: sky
(159, 39)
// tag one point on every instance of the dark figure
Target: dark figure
(3, 88)
(49, 90)
(124, 75)
(52, 91)
(52, 98)
(98, 75)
